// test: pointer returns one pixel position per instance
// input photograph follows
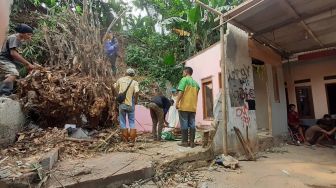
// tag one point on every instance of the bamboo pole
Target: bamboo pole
(223, 70)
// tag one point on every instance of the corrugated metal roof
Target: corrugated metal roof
(289, 26)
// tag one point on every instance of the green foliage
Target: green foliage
(154, 57)
(194, 14)
(154, 45)
(33, 50)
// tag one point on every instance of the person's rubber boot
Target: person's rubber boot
(124, 135)
(133, 136)
(184, 142)
(192, 137)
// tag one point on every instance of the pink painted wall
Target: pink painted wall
(315, 70)
(143, 120)
(205, 65)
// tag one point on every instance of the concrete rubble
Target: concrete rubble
(11, 120)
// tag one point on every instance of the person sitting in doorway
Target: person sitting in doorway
(9, 55)
(159, 107)
(323, 129)
(294, 122)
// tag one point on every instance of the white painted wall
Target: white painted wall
(314, 70)
(278, 110)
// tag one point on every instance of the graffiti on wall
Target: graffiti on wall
(243, 114)
(239, 86)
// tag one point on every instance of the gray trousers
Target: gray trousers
(157, 115)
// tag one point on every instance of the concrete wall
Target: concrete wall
(314, 70)
(206, 64)
(239, 76)
(278, 109)
(261, 98)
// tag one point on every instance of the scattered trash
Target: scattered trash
(167, 135)
(5, 172)
(79, 133)
(227, 161)
(67, 126)
(286, 172)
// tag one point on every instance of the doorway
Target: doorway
(304, 101)
(261, 95)
(331, 97)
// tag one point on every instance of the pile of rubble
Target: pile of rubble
(26, 155)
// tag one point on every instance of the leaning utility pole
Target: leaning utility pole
(223, 70)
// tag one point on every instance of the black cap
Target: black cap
(23, 28)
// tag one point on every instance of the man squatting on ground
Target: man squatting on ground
(128, 84)
(186, 104)
(325, 127)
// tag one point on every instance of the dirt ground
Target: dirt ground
(285, 167)
(290, 166)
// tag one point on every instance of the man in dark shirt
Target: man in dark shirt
(159, 106)
(9, 54)
(325, 127)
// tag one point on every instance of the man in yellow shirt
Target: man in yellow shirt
(186, 104)
(128, 105)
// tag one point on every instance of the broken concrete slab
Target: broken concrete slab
(168, 154)
(110, 170)
(116, 169)
(49, 159)
(11, 120)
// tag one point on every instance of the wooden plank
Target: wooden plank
(246, 147)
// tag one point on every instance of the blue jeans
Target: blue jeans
(187, 120)
(129, 111)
